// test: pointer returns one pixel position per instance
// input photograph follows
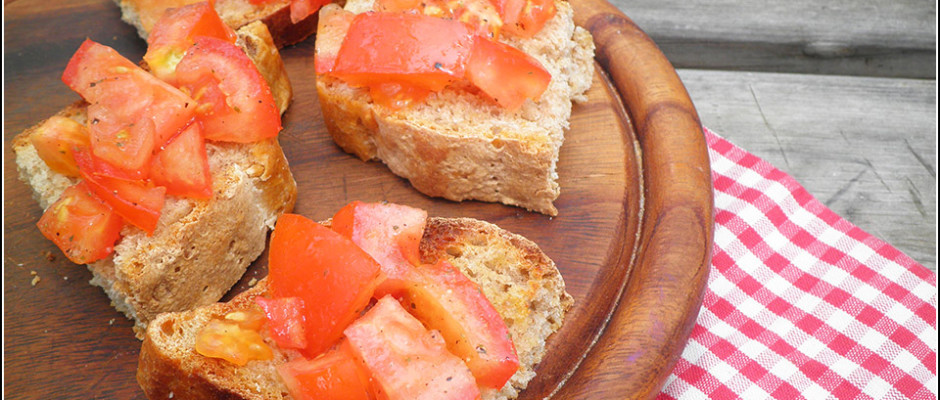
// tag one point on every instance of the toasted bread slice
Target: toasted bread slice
(200, 247)
(515, 275)
(143, 14)
(460, 146)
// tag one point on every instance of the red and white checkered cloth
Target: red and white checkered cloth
(800, 303)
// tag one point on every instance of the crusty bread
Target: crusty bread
(200, 247)
(143, 14)
(519, 279)
(460, 146)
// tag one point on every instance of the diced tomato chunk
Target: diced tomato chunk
(332, 375)
(412, 50)
(174, 34)
(332, 26)
(334, 277)
(407, 361)
(130, 110)
(235, 103)
(136, 201)
(506, 74)
(285, 321)
(301, 9)
(525, 18)
(390, 233)
(80, 224)
(230, 341)
(183, 166)
(443, 298)
(480, 15)
(56, 140)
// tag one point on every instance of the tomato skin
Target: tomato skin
(138, 203)
(334, 277)
(332, 375)
(56, 140)
(130, 110)
(285, 321)
(235, 103)
(412, 50)
(173, 34)
(407, 361)
(81, 225)
(182, 167)
(390, 233)
(506, 74)
(443, 298)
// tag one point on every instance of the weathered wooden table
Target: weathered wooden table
(840, 94)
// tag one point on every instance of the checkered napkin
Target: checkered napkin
(800, 303)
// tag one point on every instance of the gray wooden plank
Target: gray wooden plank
(866, 147)
(894, 38)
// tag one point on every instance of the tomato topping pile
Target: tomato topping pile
(144, 134)
(410, 48)
(369, 320)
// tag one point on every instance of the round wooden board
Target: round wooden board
(632, 239)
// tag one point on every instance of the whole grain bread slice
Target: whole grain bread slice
(523, 284)
(143, 14)
(200, 248)
(460, 146)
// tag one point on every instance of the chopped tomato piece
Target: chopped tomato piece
(480, 15)
(332, 375)
(406, 360)
(334, 277)
(130, 110)
(56, 140)
(183, 166)
(390, 233)
(443, 298)
(80, 224)
(525, 18)
(412, 50)
(235, 103)
(285, 321)
(301, 9)
(139, 203)
(332, 26)
(174, 33)
(230, 341)
(506, 74)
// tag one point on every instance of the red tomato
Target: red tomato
(407, 361)
(140, 204)
(332, 26)
(56, 140)
(285, 321)
(332, 375)
(390, 233)
(525, 18)
(183, 166)
(130, 110)
(174, 33)
(301, 9)
(408, 49)
(506, 74)
(443, 298)
(334, 277)
(480, 15)
(235, 103)
(83, 226)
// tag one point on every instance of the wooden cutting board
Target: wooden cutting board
(632, 238)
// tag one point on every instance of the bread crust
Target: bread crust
(142, 14)
(200, 248)
(488, 255)
(459, 146)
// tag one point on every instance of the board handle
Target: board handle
(660, 304)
